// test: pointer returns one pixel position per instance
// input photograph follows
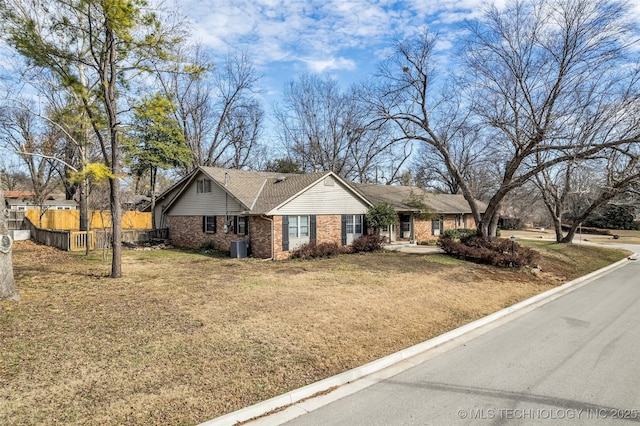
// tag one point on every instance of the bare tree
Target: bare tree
(325, 128)
(12, 175)
(524, 68)
(584, 188)
(479, 173)
(35, 144)
(216, 107)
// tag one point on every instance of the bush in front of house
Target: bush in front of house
(316, 250)
(457, 234)
(366, 243)
(492, 251)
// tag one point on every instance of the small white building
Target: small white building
(23, 201)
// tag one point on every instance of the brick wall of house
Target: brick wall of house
(449, 222)
(186, 231)
(422, 228)
(278, 254)
(328, 229)
(260, 236)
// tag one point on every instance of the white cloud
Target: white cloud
(332, 64)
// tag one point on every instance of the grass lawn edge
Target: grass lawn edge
(285, 407)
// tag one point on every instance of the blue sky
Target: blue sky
(344, 39)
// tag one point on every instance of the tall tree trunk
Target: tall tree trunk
(116, 228)
(8, 290)
(109, 71)
(153, 172)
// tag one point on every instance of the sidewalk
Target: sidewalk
(412, 248)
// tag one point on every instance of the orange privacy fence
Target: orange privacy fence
(70, 219)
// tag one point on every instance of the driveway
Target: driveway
(575, 360)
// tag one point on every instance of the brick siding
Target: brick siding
(423, 230)
(186, 231)
(260, 237)
(328, 229)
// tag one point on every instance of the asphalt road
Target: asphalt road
(573, 361)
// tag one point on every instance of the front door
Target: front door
(405, 226)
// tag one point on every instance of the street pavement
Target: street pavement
(573, 361)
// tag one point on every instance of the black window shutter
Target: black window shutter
(312, 228)
(285, 233)
(344, 230)
(246, 225)
(365, 225)
(204, 224)
(215, 224)
(235, 224)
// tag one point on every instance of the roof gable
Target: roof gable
(262, 192)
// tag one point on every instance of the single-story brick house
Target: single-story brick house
(448, 211)
(276, 213)
(273, 212)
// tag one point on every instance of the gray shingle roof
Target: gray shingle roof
(397, 196)
(260, 192)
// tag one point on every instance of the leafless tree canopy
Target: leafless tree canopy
(325, 128)
(217, 107)
(35, 144)
(543, 82)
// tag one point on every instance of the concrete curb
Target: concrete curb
(299, 401)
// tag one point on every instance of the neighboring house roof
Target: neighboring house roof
(261, 192)
(398, 196)
(29, 196)
(18, 194)
(46, 203)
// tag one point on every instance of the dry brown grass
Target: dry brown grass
(185, 337)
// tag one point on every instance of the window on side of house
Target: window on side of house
(293, 226)
(298, 226)
(304, 226)
(350, 224)
(241, 225)
(209, 224)
(299, 232)
(436, 226)
(203, 186)
(358, 224)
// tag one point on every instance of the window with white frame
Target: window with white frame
(354, 224)
(298, 226)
